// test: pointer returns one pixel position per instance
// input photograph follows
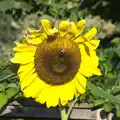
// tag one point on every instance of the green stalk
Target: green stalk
(7, 77)
(71, 106)
(64, 115)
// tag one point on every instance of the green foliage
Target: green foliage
(14, 4)
(8, 83)
(56, 8)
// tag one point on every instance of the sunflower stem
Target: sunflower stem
(63, 113)
(71, 106)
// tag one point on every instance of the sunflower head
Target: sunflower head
(55, 62)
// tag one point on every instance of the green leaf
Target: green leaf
(111, 75)
(6, 5)
(82, 97)
(116, 90)
(118, 112)
(108, 107)
(99, 102)
(118, 51)
(77, 95)
(4, 97)
(118, 96)
(10, 92)
(69, 5)
(73, 16)
(2, 87)
(99, 92)
(19, 95)
(105, 3)
(7, 76)
(45, 2)
(118, 27)
(12, 85)
(3, 100)
(22, 5)
(116, 40)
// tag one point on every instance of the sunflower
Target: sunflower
(55, 62)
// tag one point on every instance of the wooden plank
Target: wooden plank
(43, 112)
(29, 108)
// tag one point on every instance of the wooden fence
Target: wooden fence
(30, 109)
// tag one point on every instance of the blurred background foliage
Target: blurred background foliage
(18, 15)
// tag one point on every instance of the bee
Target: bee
(63, 52)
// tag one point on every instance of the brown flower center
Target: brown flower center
(57, 61)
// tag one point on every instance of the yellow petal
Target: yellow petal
(82, 80)
(78, 86)
(31, 30)
(25, 74)
(87, 73)
(97, 72)
(23, 57)
(66, 94)
(86, 68)
(53, 98)
(47, 26)
(43, 95)
(88, 63)
(35, 41)
(26, 68)
(19, 44)
(34, 37)
(72, 28)
(64, 25)
(25, 48)
(92, 57)
(94, 60)
(67, 29)
(80, 40)
(80, 26)
(53, 31)
(90, 34)
(83, 52)
(33, 89)
(92, 44)
(28, 79)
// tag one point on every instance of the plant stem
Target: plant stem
(63, 113)
(7, 77)
(71, 106)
